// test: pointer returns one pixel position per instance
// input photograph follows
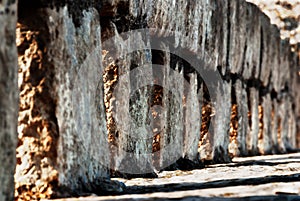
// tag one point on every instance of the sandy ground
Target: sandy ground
(274, 177)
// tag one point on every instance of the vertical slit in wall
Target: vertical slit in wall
(110, 79)
(261, 126)
(110, 75)
(156, 100)
(158, 58)
(248, 136)
(36, 175)
(279, 133)
(273, 124)
(233, 132)
(207, 111)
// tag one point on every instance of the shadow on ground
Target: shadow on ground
(250, 198)
(213, 184)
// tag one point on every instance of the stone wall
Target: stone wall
(285, 15)
(8, 98)
(231, 49)
(132, 87)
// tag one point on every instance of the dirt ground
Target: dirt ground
(275, 177)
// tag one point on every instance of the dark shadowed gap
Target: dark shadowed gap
(213, 184)
(233, 132)
(156, 99)
(260, 126)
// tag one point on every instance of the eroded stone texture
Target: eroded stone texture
(221, 123)
(252, 137)
(224, 49)
(37, 128)
(9, 98)
(82, 146)
(265, 143)
(192, 115)
(242, 112)
(172, 138)
(62, 130)
(235, 42)
(285, 15)
(127, 101)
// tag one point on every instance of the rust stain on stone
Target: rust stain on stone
(261, 128)
(35, 175)
(233, 132)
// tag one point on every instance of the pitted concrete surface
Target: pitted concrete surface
(275, 177)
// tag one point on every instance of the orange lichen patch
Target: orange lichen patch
(35, 175)
(279, 131)
(233, 132)
(110, 79)
(261, 128)
(156, 96)
(207, 112)
(156, 100)
(204, 146)
(155, 150)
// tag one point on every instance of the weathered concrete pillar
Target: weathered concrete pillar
(193, 105)
(127, 100)
(171, 145)
(265, 143)
(221, 123)
(282, 126)
(275, 124)
(252, 137)
(237, 38)
(243, 126)
(8, 98)
(62, 128)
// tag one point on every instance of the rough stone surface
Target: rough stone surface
(9, 98)
(132, 72)
(37, 128)
(285, 14)
(192, 119)
(220, 45)
(82, 146)
(242, 115)
(221, 123)
(254, 125)
(62, 129)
